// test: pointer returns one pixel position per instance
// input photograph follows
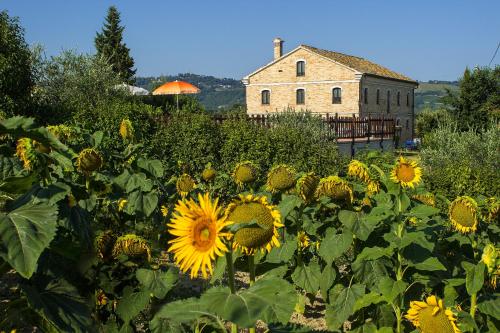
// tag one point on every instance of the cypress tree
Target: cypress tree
(109, 44)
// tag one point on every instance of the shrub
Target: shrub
(299, 139)
(244, 140)
(429, 120)
(190, 138)
(462, 163)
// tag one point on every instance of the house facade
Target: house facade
(326, 82)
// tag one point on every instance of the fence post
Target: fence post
(336, 126)
(369, 129)
(353, 133)
(382, 134)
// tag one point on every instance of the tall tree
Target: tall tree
(16, 77)
(109, 44)
(478, 99)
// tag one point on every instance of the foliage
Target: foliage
(478, 99)
(110, 46)
(429, 120)
(87, 247)
(16, 78)
(65, 83)
(459, 163)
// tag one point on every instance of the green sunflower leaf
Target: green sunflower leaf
(25, 233)
(490, 307)
(269, 299)
(429, 264)
(157, 282)
(334, 245)
(307, 277)
(283, 253)
(327, 279)
(132, 304)
(474, 276)
(342, 302)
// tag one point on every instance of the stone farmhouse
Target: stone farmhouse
(327, 82)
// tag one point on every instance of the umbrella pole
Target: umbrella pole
(177, 95)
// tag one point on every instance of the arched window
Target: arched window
(399, 98)
(301, 68)
(378, 96)
(407, 124)
(336, 95)
(300, 96)
(266, 97)
(407, 99)
(398, 122)
(365, 96)
(388, 101)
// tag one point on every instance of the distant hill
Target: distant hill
(429, 93)
(219, 93)
(215, 93)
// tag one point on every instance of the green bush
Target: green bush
(189, 138)
(429, 120)
(243, 140)
(462, 163)
(299, 139)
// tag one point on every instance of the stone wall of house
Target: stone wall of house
(321, 76)
(402, 111)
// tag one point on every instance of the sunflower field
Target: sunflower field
(97, 239)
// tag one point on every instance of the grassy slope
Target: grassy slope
(429, 94)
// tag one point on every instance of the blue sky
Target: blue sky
(422, 39)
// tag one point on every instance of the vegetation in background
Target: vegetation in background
(110, 46)
(429, 120)
(478, 100)
(462, 163)
(16, 75)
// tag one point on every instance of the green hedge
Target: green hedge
(297, 139)
(462, 163)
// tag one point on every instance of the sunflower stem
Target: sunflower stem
(251, 268)
(398, 319)
(473, 305)
(230, 278)
(230, 270)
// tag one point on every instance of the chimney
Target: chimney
(278, 47)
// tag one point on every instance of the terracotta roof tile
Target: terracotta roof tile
(359, 64)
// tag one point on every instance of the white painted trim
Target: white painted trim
(302, 82)
(304, 60)
(303, 88)
(265, 89)
(333, 87)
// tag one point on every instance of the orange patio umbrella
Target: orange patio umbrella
(176, 88)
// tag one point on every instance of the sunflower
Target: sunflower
(427, 198)
(104, 243)
(62, 132)
(89, 160)
(208, 174)
(335, 188)
(121, 204)
(245, 173)
(197, 228)
(490, 257)
(164, 210)
(126, 130)
(303, 240)
(132, 246)
(184, 185)
(493, 209)
(432, 316)
(463, 214)
(372, 187)
(254, 209)
(406, 172)
(306, 186)
(25, 150)
(280, 178)
(358, 170)
(101, 298)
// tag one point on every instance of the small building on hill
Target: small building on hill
(327, 82)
